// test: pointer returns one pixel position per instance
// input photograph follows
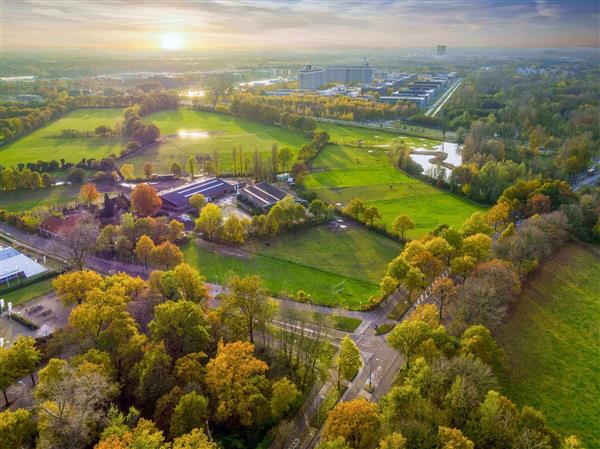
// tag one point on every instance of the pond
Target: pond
(451, 149)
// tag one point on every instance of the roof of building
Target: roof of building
(55, 224)
(213, 188)
(13, 262)
(263, 194)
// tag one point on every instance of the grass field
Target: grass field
(552, 342)
(224, 133)
(28, 292)
(42, 145)
(313, 260)
(28, 199)
(341, 173)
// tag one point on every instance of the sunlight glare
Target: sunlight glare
(171, 41)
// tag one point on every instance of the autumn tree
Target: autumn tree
(413, 280)
(145, 201)
(89, 193)
(73, 286)
(246, 298)
(191, 412)
(24, 357)
(237, 381)
(210, 221)
(478, 246)
(127, 170)
(166, 255)
(453, 439)
(182, 327)
(176, 231)
(196, 439)
(197, 201)
(477, 223)
(444, 290)
(401, 224)
(407, 338)
(233, 231)
(319, 210)
(498, 214)
(284, 395)
(143, 249)
(477, 341)
(348, 360)
(356, 421)
(354, 208)
(148, 169)
(17, 429)
(394, 440)
(371, 214)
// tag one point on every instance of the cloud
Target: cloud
(301, 23)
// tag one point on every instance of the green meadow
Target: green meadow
(314, 260)
(44, 143)
(552, 343)
(223, 133)
(341, 173)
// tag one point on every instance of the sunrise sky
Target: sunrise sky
(297, 24)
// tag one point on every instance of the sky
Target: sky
(178, 25)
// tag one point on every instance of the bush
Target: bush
(24, 321)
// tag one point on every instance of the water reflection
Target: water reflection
(452, 151)
(185, 134)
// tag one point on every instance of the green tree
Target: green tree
(371, 214)
(355, 208)
(319, 210)
(190, 413)
(246, 298)
(394, 440)
(413, 280)
(24, 357)
(210, 221)
(190, 166)
(285, 157)
(407, 338)
(284, 396)
(153, 375)
(401, 224)
(197, 201)
(182, 327)
(176, 169)
(453, 439)
(348, 361)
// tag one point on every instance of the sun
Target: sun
(171, 41)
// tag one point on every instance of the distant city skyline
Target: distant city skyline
(149, 25)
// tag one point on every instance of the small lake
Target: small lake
(451, 149)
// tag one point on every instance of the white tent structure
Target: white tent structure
(14, 265)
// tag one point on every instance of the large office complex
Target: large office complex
(312, 77)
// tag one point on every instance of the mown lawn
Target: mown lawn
(224, 133)
(341, 173)
(42, 144)
(314, 260)
(552, 342)
(28, 292)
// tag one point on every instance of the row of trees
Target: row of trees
(287, 214)
(186, 376)
(26, 179)
(446, 398)
(17, 119)
(339, 107)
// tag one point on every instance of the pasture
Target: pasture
(22, 200)
(220, 133)
(314, 260)
(340, 173)
(44, 143)
(552, 343)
